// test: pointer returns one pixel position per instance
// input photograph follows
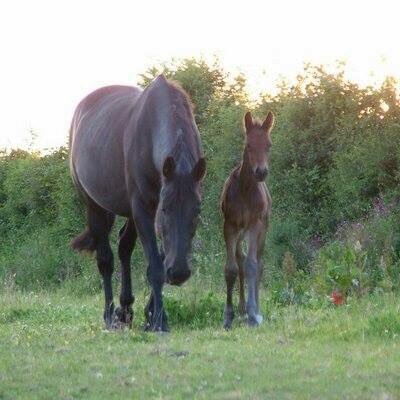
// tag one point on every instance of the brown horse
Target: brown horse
(246, 207)
(136, 154)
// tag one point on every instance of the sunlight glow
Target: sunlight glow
(54, 53)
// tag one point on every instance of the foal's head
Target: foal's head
(258, 144)
(178, 213)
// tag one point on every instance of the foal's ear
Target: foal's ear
(268, 122)
(248, 121)
(169, 167)
(199, 170)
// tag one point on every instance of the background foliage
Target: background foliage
(334, 180)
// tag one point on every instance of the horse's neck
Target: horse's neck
(183, 155)
(173, 137)
(247, 181)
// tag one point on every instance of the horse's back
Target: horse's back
(96, 145)
(108, 105)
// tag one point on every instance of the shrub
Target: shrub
(334, 181)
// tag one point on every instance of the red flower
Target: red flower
(337, 298)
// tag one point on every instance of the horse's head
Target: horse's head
(178, 213)
(258, 144)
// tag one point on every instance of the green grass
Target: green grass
(53, 346)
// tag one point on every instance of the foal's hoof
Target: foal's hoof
(254, 320)
(242, 309)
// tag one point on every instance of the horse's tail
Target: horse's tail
(84, 242)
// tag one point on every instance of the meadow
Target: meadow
(54, 346)
(334, 181)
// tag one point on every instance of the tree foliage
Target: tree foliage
(335, 156)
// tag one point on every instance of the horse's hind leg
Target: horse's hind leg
(127, 240)
(231, 270)
(100, 223)
(240, 262)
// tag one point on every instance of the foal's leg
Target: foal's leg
(252, 274)
(240, 263)
(100, 223)
(231, 270)
(127, 240)
(260, 251)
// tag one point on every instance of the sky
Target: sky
(53, 53)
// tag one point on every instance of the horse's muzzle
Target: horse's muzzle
(177, 276)
(261, 173)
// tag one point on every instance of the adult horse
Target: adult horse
(137, 154)
(246, 206)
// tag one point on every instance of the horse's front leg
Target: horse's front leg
(252, 273)
(149, 308)
(231, 271)
(144, 221)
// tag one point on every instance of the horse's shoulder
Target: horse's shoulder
(230, 190)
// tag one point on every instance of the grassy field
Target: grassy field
(53, 346)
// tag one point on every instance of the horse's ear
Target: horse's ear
(169, 167)
(199, 170)
(268, 122)
(248, 121)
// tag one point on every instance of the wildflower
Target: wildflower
(337, 298)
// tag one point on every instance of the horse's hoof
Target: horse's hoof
(156, 329)
(254, 320)
(229, 316)
(123, 315)
(158, 326)
(121, 318)
(162, 333)
(228, 325)
(109, 316)
(119, 326)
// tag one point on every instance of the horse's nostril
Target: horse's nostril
(177, 277)
(169, 274)
(261, 174)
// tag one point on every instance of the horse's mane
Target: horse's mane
(179, 89)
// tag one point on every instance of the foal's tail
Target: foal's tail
(84, 242)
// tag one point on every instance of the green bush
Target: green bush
(343, 268)
(334, 182)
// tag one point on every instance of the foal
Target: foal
(246, 207)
